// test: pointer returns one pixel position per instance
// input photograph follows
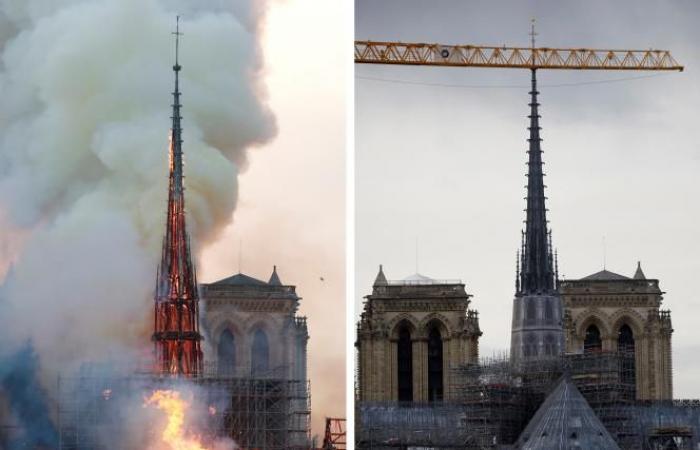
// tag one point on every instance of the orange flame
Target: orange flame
(175, 407)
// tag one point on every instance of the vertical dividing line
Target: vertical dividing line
(350, 299)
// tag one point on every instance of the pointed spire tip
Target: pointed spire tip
(274, 278)
(380, 280)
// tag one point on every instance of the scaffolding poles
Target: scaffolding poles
(387, 425)
(265, 412)
(495, 399)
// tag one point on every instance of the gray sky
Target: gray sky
(445, 165)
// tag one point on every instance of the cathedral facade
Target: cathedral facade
(412, 332)
(256, 346)
(611, 312)
(253, 328)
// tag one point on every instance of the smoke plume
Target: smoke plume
(84, 119)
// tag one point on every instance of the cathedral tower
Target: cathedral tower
(537, 308)
(176, 334)
(412, 335)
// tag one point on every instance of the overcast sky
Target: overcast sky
(444, 166)
(291, 196)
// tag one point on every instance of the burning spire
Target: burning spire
(176, 334)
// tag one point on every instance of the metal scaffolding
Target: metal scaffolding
(267, 411)
(495, 399)
(385, 425)
(501, 397)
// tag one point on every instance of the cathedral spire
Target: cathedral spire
(176, 334)
(176, 130)
(274, 278)
(536, 271)
(381, 279)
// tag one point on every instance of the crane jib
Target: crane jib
(369, 52)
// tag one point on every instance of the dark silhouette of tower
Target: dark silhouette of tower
(537, 308)
(176, 334)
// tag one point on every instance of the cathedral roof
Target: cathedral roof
(416, 277)
(565, 421)
(605, 275)
(241, 280)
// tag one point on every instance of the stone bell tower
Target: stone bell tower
(411, 335)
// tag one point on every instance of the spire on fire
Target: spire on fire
(536, 263)
(176, 334)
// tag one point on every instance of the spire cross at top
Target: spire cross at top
(177, 34)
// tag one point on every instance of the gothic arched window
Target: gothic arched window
(435, 379)
(625, 344)
(405, 364)
(226, 352)
(260, 353)
(592, 341)
(625, 339)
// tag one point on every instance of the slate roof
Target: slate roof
(605, 275)
(565, 421)
(240, 280)
(418, 277)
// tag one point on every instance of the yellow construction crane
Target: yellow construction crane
(415, 54)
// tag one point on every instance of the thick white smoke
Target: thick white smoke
(85, 94)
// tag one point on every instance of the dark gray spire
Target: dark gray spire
(274, 278)
(536, 271)
(639, 274)
(381, 279)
